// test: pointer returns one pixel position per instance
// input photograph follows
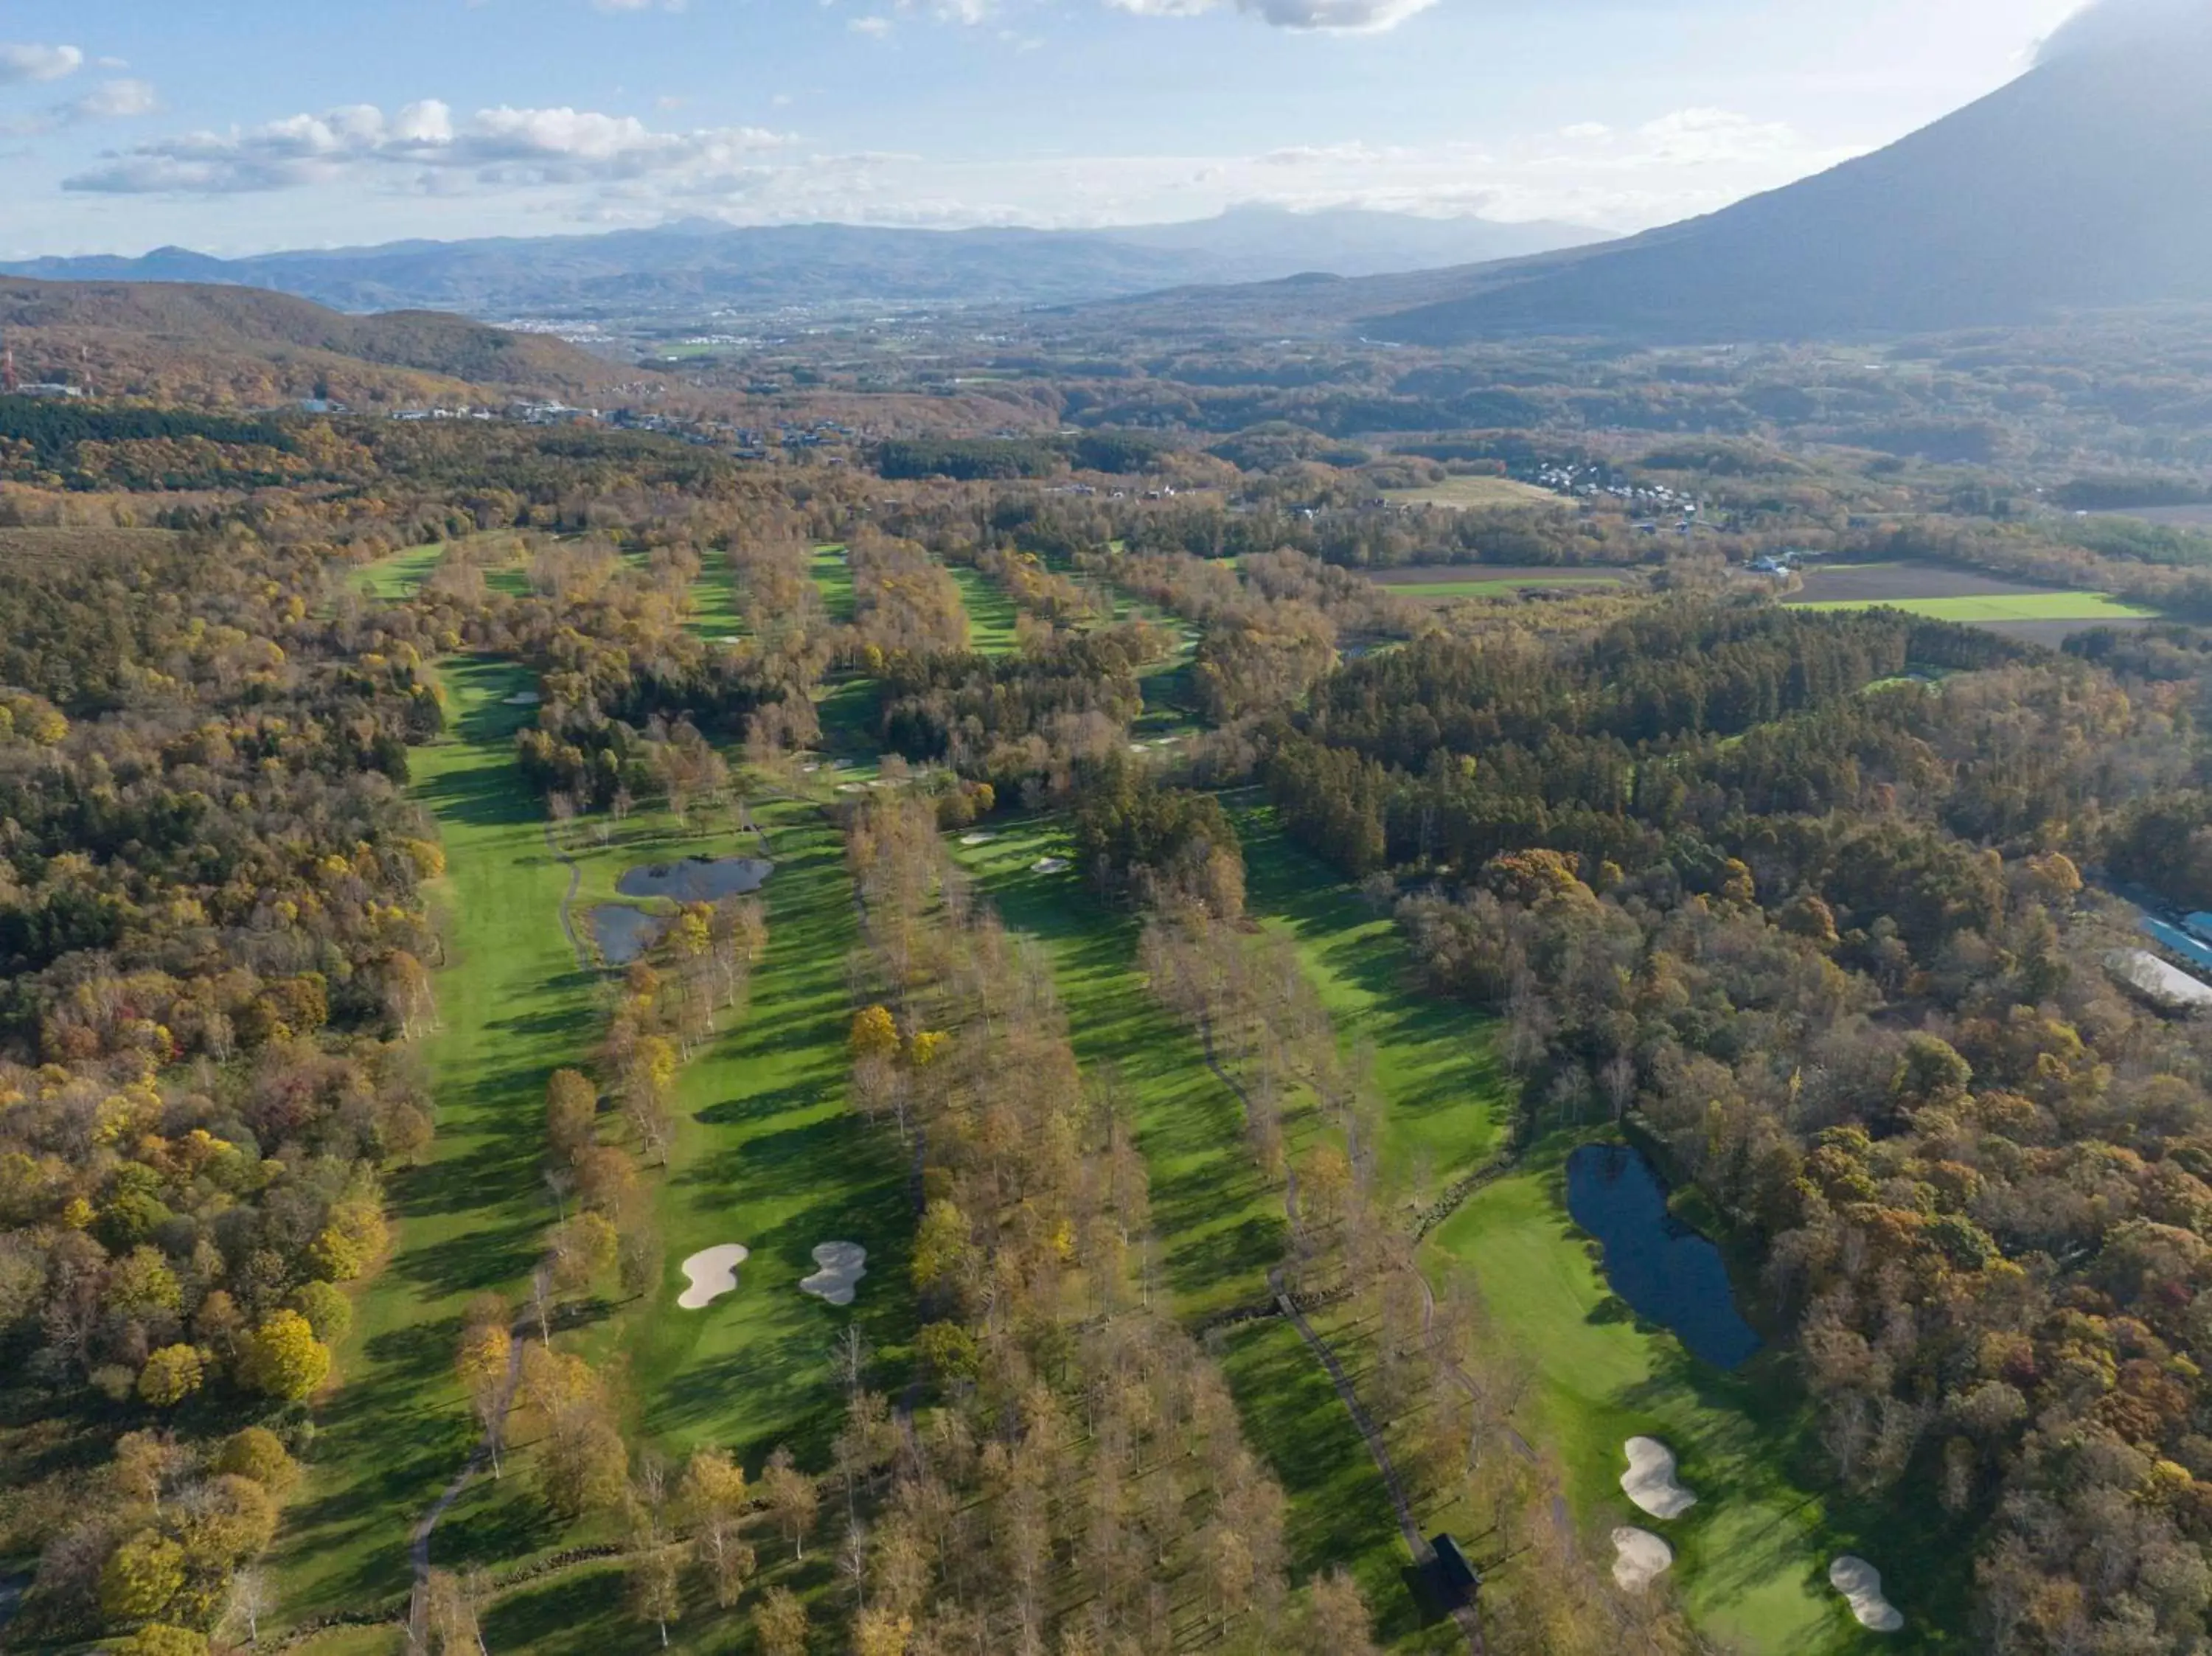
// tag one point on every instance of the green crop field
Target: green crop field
(2004, 607)
(1466, 494)
(1497, 589)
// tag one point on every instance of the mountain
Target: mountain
(231, 344)
(2086, 184)
(688, 268)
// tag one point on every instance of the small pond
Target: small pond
(697, 879)
(1665, 1271)
(623, 933)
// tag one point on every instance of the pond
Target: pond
(697, 879)
(1666, 1272)
(623, 933)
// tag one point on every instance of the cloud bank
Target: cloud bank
(25, 61)
(422, 144)
(1321, 16)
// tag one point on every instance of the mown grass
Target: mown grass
(513, 1007)
(1220, 1223)
(1463, 493)
(395, 578)
(833, 578)
(1752, 1556)
(1441, 590)
(2002, 606)
(991, 614)
(715, 611)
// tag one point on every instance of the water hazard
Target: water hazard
(697, 879)
(1666, 1272)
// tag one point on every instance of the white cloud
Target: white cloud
(1323, 16)
(495, 148)
(113, 100)
(37, 63)
(2127, 25)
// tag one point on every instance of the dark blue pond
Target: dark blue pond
(1666, 1272)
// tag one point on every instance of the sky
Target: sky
(234, 126)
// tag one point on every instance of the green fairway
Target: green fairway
(401, 575)
(715, 614)
(1445, 1101)
(990, 614)
(513, 1008)
(1999, 607)
(833, 578)
(1752, 1555)
(766, 1155)
(1220, 1223)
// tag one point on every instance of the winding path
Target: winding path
(418, 1543)
(568, 901)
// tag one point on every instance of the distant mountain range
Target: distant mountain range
(697, 267)
(2085, 185)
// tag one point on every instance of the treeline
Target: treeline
(1828, 945)
(214, 947)
(1080, 1481)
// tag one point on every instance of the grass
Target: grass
(515, 1007)
(1432, 1061)
(1495, 589)
(1219, 1223)
(715, 613)
(765, 1153)
(1752, 1556)
(833, 577)
(2003, 607)
(991, 613)
(1465, 493)
(395, 578)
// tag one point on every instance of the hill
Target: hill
(211, 344)
(684, 269)
(2085, 185)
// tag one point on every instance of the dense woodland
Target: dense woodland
(1817, 906)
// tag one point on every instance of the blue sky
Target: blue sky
(236, 125)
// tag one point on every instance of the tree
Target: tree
(140, 1577)
(258, 1454)
(171, 1375)
(572, 1109)
(780, 1623)
(875, 1034)
(879, 1632)
(284, 1359)
(656, 1590)
(251, 1597)
(157, 1640)
(791, 1496)
(485, 1361)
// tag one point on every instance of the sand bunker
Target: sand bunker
(711, 1274)
(697, 879)
(1860, 1583)
(524, 699)
(851, 787)
(623, 933)
(1650, 1481)
(1050, 865)
(1643, 1558)
(977, 839)
(843, 1265)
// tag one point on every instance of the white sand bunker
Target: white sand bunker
(843, 1265)
(977, 839)
(711, 1274)
(851, 787)
(1650, 1481)
(1860, 1583)
(1050, 865)
(1643, 1558)
(524, 699)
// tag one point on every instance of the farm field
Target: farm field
(37, 544)
(2033, 615)
(1474, 580)
(1468, 494)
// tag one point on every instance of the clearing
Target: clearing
(1473, 493)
